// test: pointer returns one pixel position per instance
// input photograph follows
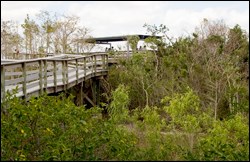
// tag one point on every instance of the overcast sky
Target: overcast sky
(128, 17)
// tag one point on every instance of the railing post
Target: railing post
(41, 76)
(24, 80)
(67, 73)
(2, 83)
(97, 92)
(63, 73)
(92, 63)
(107, 61)
(55, 77)
(85, 72)
(45, 75)
(103, 62)
(95, 62)
(94, 88)
(76, 71)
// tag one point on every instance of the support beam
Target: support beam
(81, 94)
(98, 92)
(90, 101)
(93, 88)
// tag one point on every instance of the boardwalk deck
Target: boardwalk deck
(34, 77)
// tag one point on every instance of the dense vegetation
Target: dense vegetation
(186, 99)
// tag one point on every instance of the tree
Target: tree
(48, 27)
(65, 30)
(133, 41)
(31, 30)
(10, 38)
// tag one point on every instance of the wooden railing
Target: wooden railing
(34, 77)
(24, 56)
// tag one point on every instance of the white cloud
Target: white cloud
(116, 18)
(121, 18)
(183, 22)
(17, 10)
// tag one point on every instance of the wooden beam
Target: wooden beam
(91, 102)
(81, 93)
(98, 92)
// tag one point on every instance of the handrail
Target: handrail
(50, 74)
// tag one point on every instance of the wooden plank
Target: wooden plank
(13, 73)
(32, 77)
(70, 72)
(32, 85)
(73, 70)
(8, 66)
(13, 81)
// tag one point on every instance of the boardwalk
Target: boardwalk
(51, 74)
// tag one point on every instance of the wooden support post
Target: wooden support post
(2, 82)
(55, 77)
(92, 63)
(41, 76)
(95, 63)
(107, 61)
(24, 80)
(93, 88)
(103, 62)
(77, 81)
(66, 74)
(85, 68)
(63, 74)
(45, 74)
(81, 93)
(98, 92)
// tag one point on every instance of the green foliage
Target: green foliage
(184, 110)
(53, 128)
(118, 109)
(133, 41)
(47, 128)
(227, 140)
(153, 115)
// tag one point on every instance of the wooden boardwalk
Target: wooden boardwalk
(50, 74)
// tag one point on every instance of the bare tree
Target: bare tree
(48, 27)
(10, 38)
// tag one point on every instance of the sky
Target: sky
(114, 18)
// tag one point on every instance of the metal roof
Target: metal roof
(104, 40)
